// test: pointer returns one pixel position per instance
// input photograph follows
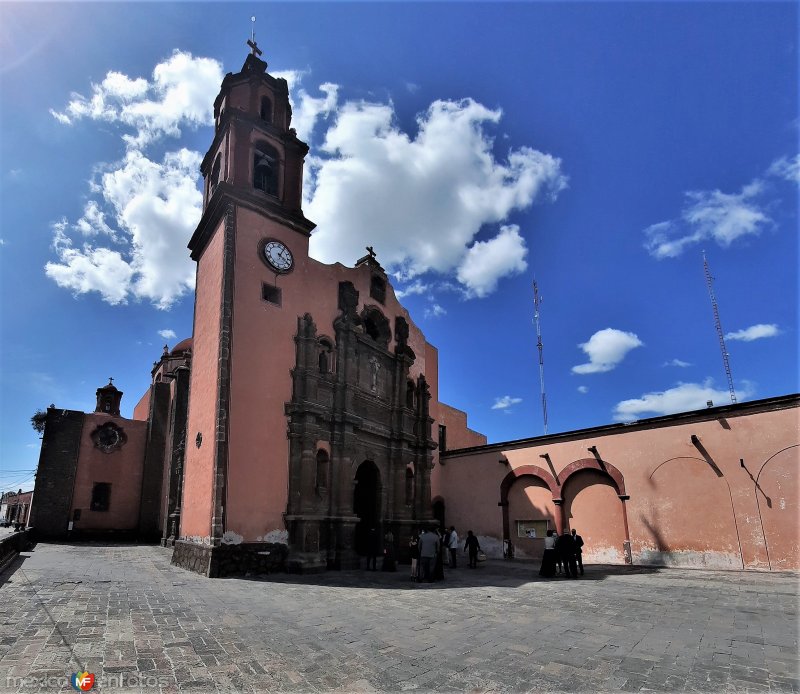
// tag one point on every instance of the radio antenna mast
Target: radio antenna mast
(536, 303)
(718, 326)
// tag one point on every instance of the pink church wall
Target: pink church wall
(197, 504)
(459, 435)
(122, 469)
(691, 504)
(142, 410)
(263, 354)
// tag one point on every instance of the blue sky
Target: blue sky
(602, 147)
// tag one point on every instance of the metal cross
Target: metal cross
(252, 40)
(371, 251)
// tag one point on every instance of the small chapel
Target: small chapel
(304, 411)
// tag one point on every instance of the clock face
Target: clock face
(278, 256)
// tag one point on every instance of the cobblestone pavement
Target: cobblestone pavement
(123, 613)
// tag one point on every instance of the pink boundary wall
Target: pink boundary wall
(668, 491)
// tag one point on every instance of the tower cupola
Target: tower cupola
(108, 399)
(255, 154)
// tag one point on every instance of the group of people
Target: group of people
(562, 554)
(429, 547)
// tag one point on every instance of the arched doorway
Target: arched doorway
(438, 511)
(366, 502)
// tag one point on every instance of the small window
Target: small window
(532, 529)
(442, 437)
(377, 288)
(266, 109)
(215, 171)
(101, 496)
(271, 293)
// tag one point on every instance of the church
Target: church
(304, 411)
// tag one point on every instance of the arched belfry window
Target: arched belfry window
(215, 171)
(266, 109)
(265, 168)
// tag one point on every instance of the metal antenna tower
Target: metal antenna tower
(539, 344)
(718, 326)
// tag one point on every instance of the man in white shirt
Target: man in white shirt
(453, 546)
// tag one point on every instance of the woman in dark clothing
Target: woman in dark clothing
(471, 547)
(438, 567)
(388, 552)
(548, 569)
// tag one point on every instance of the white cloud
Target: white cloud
(787, 168)
(308, 109)
(583, 389)
(488, 261)
(180, 93)
(416, 287)
(754, 332)
(505, 402)
(709, 215)
(606, 349)
(677, 362)
(420, 201)
(435, 311)
(682, 398)
(156, 206)
(167, 334)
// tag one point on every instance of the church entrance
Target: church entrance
(366, 503)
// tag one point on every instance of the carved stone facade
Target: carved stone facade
(358, 421)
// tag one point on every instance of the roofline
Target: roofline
(781, 402)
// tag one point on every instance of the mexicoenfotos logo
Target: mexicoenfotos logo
(82, 681)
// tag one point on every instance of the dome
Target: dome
(182, 346)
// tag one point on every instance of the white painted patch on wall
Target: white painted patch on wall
(280, 537)
(783, 504)
(231, 538)
(689, 559)
(491, 546)
(198, 540)
(604, 555)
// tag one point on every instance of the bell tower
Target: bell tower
(250, 247)
(255, 155)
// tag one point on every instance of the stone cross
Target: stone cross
(371, 251)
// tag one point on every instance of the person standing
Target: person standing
(373, 548)
(548, 569)
(453, 546)
(413, 550)
(438, 565)
(565, 548)
(388, 552)
(471, 547)
(428, 542)
(578, 540)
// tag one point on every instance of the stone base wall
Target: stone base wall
(230, 560)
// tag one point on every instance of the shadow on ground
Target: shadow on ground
(490, 573)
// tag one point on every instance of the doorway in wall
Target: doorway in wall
(366, 503)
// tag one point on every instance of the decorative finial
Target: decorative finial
(110, 380)
(252, 41)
